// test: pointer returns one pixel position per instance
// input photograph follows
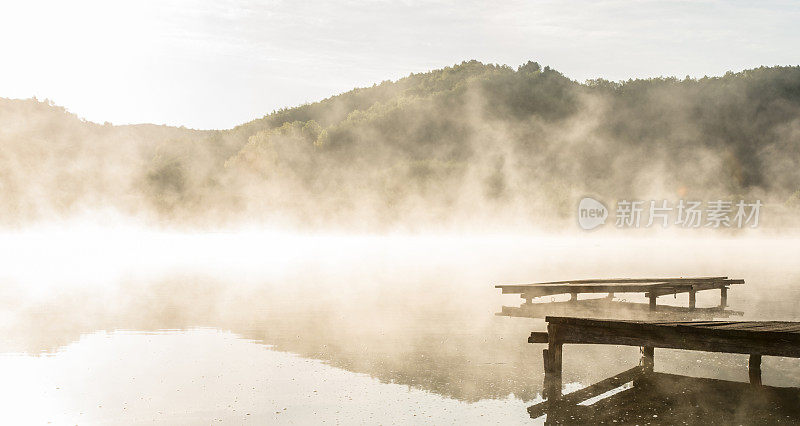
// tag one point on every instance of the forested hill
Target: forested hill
(464, 145)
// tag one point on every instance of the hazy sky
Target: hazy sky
(215, 64)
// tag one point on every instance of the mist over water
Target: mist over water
(185, 321)
(336, 261)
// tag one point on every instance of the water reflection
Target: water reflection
(419, 315)
(606, 308)
(204, 376)
(660, 398)
(453, 350)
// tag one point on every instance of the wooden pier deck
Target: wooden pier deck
(756, 338)
(651, 287)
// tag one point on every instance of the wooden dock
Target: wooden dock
(636, 397)
(652, 288)
(755, 338)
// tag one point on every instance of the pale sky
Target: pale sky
(216, 64)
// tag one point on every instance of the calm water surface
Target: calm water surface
(275, 328)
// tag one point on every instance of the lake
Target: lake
(135, 326)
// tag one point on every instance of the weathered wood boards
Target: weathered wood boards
(603, 386)
(629, 280)
(777, 338)
(756, 338)
(651, 287)
(640, 397)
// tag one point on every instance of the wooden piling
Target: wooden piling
(723, 297)
(553, 358)
(648, 358)
(692, 299)
(755, 369)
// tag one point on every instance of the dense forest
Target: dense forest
(469, 144)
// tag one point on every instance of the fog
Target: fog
(468, 147)
(149, 281)
(417, 311)
(361, 236)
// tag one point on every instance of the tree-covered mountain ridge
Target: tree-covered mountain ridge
(472, 143)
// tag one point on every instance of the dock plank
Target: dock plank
(650, 286)
(777, 338)
(630, 280)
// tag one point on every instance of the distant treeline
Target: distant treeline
(465, 145)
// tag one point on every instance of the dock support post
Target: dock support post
(552, 365)
(723, 297)
(573, 296)
(610, 295)
(528, 299)
(648, 358)
(755, 369)
(692, 299)
(652, 301)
